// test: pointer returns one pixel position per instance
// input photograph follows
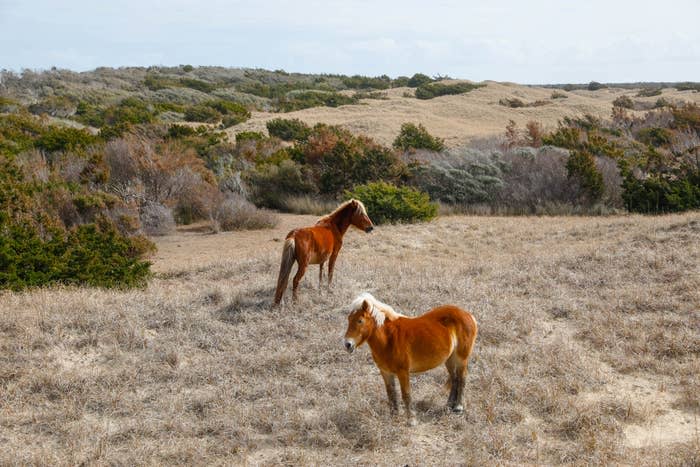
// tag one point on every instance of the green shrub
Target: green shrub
(131, 110)
(365, 82)
(312, 98)
(594, 86)
(249, 136)
(417, 137)
(270, 183)
(581, 167)
(202, 113)
(187, 68)
(419, 79)
(656, 194)
(288, 129)
(180, 131)
(625, 102)
(389, 203)
(197, 85)
(655, 136)
(649, 92)
(91, 254)
(18, 132)
(58, 138)
(431, 90)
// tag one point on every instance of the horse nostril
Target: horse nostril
(369, 229)
(348, 345)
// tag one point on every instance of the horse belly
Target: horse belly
(432, 350)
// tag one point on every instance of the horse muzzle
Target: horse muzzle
(349, 345)
(369, 229)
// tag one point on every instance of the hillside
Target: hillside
(169, 92)
(461, 118)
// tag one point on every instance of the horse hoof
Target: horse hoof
(458, 409)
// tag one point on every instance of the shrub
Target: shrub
(197, 84)
(202, 113)
(533, 179)
(58, 138)
(459, 177)
(649, 92)
(288, 129)
(249, 136)
(56, 106)
(340, 160)
(270, 183)
(157, 219)
(187, 68)
(417, 137)
(313, 98)
(513, 103)
(233, 112)
(237, 213)
(389, 203)
(594, 86)
(365, 82)
(418, 79)
(624, 101)
(129, 110)
(655, 136)
(429, 91)
(559, 95)
(581, 167)
(656, 194)
(91, 254)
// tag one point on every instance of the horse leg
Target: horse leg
(405, 383)
(320, 275)
(331, 266)
(458, 372)
(390, 384)
(303, 263)
(452, 382)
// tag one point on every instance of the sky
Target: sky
(523, 41)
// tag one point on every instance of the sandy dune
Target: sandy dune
(459, 119)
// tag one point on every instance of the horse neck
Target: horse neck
(341, 220)
(379, 339)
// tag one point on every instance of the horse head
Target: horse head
(364, 318)
(359, 217)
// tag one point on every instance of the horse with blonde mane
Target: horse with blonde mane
(402, 345)
(318, 244)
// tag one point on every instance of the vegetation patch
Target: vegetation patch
(432, 90)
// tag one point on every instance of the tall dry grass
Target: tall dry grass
(589, 351)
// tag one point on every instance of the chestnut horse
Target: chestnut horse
(402, 345)
(318, 244)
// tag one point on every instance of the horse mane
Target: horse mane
(329, 217)
(380, 311)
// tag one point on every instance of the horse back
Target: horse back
(442, 331)
(316, 242)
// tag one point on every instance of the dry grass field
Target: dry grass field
(460, 119)
(589, 351)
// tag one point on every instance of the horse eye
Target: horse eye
(359, 321)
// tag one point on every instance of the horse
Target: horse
(318, 244)
(402, 345)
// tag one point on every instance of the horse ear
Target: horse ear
(365, 306)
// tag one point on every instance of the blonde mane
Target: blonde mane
(360, 209)
(380, 311)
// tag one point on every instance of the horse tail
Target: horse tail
(288, 258)
(471, 329)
